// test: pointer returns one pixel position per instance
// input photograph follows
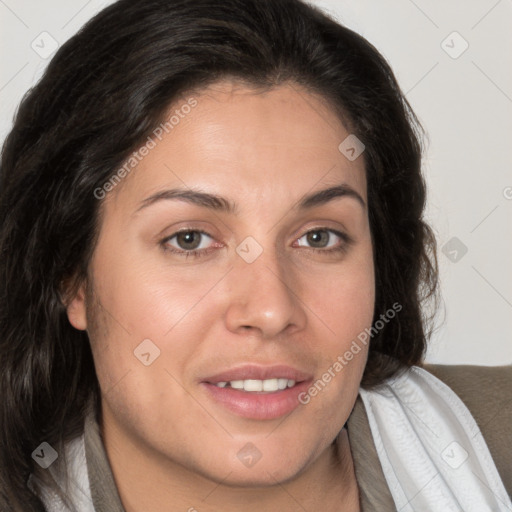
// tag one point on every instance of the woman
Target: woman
(213, 269)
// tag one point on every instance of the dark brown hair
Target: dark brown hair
(102, 94)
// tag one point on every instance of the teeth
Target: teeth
(270, 385)
(282, 383)
(255, 386)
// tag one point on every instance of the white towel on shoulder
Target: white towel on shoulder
(432, 453)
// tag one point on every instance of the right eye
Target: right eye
(187, 242)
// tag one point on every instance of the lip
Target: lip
(251, 371)
(257, 405)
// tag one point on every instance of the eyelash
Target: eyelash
(197, 253)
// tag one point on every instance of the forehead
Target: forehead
(275, 141)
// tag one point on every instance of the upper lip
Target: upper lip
(255, 372)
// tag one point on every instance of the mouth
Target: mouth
(257, 392)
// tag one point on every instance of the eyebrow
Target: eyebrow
(221, 204)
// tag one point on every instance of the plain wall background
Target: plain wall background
(462, 98)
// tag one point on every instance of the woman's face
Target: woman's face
(280, 286)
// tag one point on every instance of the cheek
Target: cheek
(145, 297)
(347, 301)
(344, 299)
(147, 314)
(344, 305)
(345, 310)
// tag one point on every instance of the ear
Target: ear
(76, 308)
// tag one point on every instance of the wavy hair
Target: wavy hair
(102, 94)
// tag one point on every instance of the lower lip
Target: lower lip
(257, 406)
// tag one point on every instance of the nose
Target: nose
(264, 297)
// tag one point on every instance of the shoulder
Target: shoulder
(487, 393)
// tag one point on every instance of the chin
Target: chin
(262, 477)
(258, 472)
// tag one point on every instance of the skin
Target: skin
(169, 445)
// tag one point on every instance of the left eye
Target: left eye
(320, 238)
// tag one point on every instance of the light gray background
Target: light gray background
(464, 102)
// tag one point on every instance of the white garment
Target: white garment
(75, 485)
(432, 453)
